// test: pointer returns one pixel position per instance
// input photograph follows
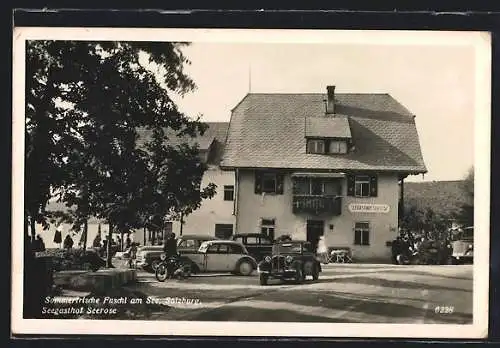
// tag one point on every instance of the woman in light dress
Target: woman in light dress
(322, 250)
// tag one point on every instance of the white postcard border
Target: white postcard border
(480, 40)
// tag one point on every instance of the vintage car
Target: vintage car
(290, 260)
(221, 256)
(463, 247)
(257, 244)
(148, 257)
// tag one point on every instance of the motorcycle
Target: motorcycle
(172, 267)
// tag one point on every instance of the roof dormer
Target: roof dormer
(329, 133)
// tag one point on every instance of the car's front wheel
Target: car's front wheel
(245, 268)
(263, 279)
(299, 275)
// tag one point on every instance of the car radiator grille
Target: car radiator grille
(278, 262)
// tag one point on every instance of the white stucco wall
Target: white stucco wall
(383, 226)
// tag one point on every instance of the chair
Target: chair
(339, 255)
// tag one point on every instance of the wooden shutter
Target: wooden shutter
(373, 186)
(366, 237)
(280, 178)
(357, 237)
(258, 182)
(350, 185)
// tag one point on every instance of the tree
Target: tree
(466, 214)
(167, 192)
(85, 103)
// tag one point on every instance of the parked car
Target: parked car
(463, 247)
(222, 256)
(257, 244)
(148, 257)
(290, 260)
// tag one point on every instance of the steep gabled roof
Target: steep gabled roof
(267, 131)
(215, 133)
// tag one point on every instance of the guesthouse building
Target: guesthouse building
(322, 164)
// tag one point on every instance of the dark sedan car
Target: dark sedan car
(257, 244)
(293, 260)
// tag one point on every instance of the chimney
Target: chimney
(330, 103)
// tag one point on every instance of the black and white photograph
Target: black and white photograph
(251, 182)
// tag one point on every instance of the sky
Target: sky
(436, 83)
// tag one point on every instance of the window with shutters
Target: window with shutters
(362, 185)
(362, 233)
(269, 182)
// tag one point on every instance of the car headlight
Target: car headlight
(470, 246)
(163, 257)
(289, 259)
(267, 259)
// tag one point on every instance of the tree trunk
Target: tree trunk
(85, 236)
(182, 223)
(144, 232)
(108, 247)
(33, 228)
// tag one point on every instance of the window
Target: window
(301, 186)
(315, 146)
(362, 233)
(316, 187)
(223, 231)
(223, 249)
(362, 186)
(252, 240)
(228, 192)
(267, 227)
(338, 146)
(265, 241)
(235, 249)
(332, 187)
(187, 243)
(269, 182)
(213, 248)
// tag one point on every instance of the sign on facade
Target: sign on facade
(368, 208)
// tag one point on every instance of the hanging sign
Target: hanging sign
(368, 208)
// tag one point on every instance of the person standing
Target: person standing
(68, 242)
(39, 244)
(322, 250)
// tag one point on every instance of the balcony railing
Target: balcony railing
(317, 204)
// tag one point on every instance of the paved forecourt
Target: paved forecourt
(366, 293)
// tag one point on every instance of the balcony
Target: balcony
(317, 205)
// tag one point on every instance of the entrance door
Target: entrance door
(315, 229)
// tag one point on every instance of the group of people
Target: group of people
(408, 244)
